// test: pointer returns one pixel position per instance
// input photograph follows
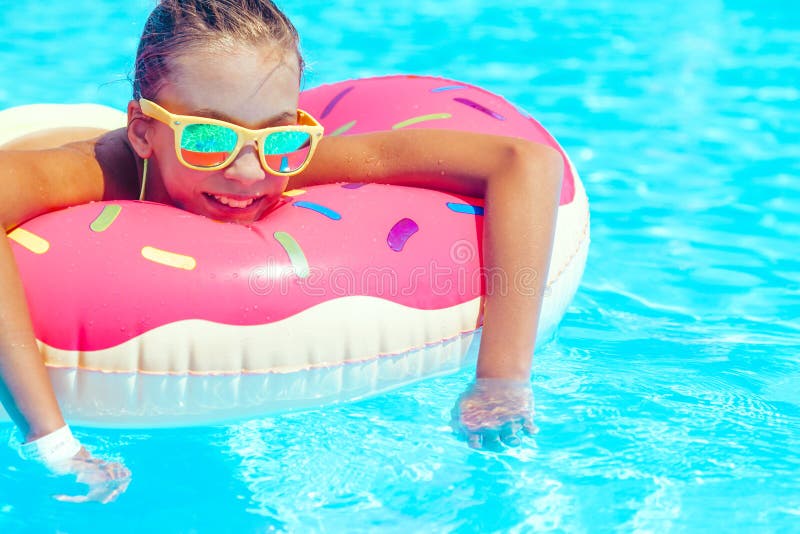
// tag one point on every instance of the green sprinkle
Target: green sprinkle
(106, 218)
(342, 129)
(295, 253)
(422, 118)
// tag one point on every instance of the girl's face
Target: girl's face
(245, 85)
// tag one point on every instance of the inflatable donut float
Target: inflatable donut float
(151, 316)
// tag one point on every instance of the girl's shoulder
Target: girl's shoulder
(56, 168)
(53, 138)
(108, 157)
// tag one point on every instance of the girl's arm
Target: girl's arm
(520, 182)
(35, 182)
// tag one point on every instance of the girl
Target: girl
(238, 61)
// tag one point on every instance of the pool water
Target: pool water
(667, 401)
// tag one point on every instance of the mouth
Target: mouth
(232, 206)
(233, 202)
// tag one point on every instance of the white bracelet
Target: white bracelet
(51, 449)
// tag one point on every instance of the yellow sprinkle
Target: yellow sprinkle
(29, 240)
(170, 259)
(294, 192)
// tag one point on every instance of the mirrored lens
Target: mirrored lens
(207, 145)
(286, 151)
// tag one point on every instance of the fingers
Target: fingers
(508, 435)
(106, 480)
(104, 493)
(529, 427)
(116, 491)
(117, 471)
(474, 441)
(487, 440)
(494, 414)
(72, 498)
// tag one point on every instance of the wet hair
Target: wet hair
(176, 26)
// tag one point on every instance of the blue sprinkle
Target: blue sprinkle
(447, 88)
(465, 208)
(354, 185)
(327, 212)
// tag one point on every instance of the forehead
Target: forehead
(247, 83)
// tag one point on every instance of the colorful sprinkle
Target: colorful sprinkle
(447, 88)
(343, 128)
(295, 253)
(327, 212)
(400, 232)
(106, 218)
(355, 185)
(29, 240)
(170, 259)
(334, 101)
(423, 118)
(465, 208)
(482, 109)
(294, 193)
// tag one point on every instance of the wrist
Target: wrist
(520, 373)
(497, 358)
(507, 383)
(52, 449)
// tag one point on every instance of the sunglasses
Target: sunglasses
(207, 144)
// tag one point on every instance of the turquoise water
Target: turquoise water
(668, 400)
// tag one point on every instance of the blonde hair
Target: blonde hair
(177, 25)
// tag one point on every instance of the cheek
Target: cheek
(182, 183)
(177, 179)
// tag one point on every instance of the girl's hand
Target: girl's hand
(106, 480)
(493, 411)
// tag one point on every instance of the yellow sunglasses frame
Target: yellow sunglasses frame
(244, 136)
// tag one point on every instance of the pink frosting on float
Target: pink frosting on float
(385, 102)
(146, 265)
(242, 275)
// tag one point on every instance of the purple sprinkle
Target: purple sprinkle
(334, 101)
(482, 109)
(400, 232)
(355, 185)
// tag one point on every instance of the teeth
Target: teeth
(233, 203)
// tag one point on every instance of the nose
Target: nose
(246, 167)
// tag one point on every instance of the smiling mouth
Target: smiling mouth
(231, 202)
